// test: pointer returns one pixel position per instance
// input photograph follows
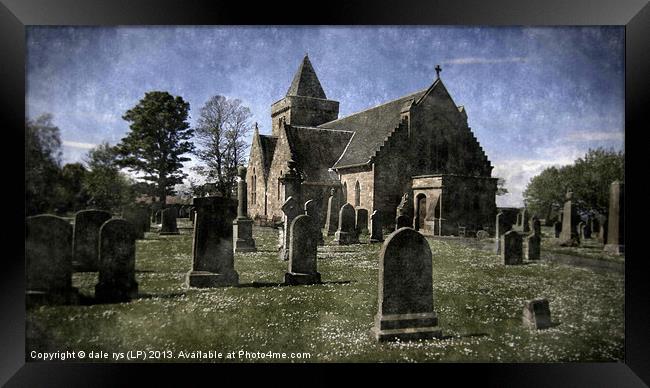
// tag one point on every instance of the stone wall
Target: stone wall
(365, 177)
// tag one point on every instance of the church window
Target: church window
(357, 194)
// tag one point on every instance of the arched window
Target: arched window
(344, 192)
(357, 194)
(254, 188)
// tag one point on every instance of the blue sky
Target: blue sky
(535, 97)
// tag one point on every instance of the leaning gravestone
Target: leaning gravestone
(376, 234)
(616, 219)
(346, 234)
(48, 256)
(332, 220)
(405, 289)
(537, 314)
(291, 209)
(116, 262)
(85, 239)
(569, 235)
(213, 260)
(168, 221)
(361, 223)
(511, 248)
(303, 245)
(313, 209)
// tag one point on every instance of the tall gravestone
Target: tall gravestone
(213, 260)
(525, 220)
(116, 262)
(346, 233)
(361, 223)
(332, 220)
(616, 219)
(313, 210)
(511, 248)
(534, 240)
(85, 239)
(303, 245)
(376, 233)
(291, 209)
(569, 235)
(405, 307)
(48, 261)
(404, 213)
(168, 221)
(242, 227)
(501, 227)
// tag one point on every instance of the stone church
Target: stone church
(419, 144)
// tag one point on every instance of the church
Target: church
(419, 144)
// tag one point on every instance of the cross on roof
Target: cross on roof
(438, 70)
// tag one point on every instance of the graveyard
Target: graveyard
(477, 299)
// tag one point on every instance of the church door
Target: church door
(420, 211)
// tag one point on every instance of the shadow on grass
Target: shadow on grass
(87, 300)
(446, 337)
(270, 284)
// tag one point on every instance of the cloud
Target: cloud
(587, 136)
(76, 144)
(478, 60)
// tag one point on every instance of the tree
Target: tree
(221, 131)
(501, 187)
(73, 195)
(42, 164)
(588, 178)
(107, 187)
(158, 138)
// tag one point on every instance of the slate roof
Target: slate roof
(305, 82)
(370, 128)
(316, 150)
(267, 144)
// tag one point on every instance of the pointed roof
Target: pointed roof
(305, 82)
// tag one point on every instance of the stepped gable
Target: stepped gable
(370, 128)
(316, 150)
(305, 82)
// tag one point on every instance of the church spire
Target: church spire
(305, 82)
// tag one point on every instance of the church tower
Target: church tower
(305, 103)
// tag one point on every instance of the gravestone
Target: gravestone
(303, 245)
(116, 262)
(586, 230)
(616, 219)
(158, 217)
(537, 314)
(48, 261)
(511, 248)
(361, 223)
(503, 224)
(291, 209)
(192, 214)
(581, 226)
(595, 225)
(139, 218)
(569, 235)
(405, 306)
(346, 234)
(557, 228)
(602, 236)
(332, 220)
(402, 221)
(376, 233)
(213, 260)
(534, 240)
(242, 227)
(168, 222)
(313, 210)
(536, 226)
(182, 212)
(85, 239)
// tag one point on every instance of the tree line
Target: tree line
(589, 178)
(154, 150)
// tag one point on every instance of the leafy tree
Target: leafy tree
(501, 187)
(158, 138)
(107, 187)
(42, 163)
(221, 131)
(588, 178)
(73, 195)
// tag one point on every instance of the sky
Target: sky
(535, 97)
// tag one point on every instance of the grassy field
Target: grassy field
(479, 303)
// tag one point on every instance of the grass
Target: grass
(479, 303)
(589, 248)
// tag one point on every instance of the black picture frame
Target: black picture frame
(16, 14)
